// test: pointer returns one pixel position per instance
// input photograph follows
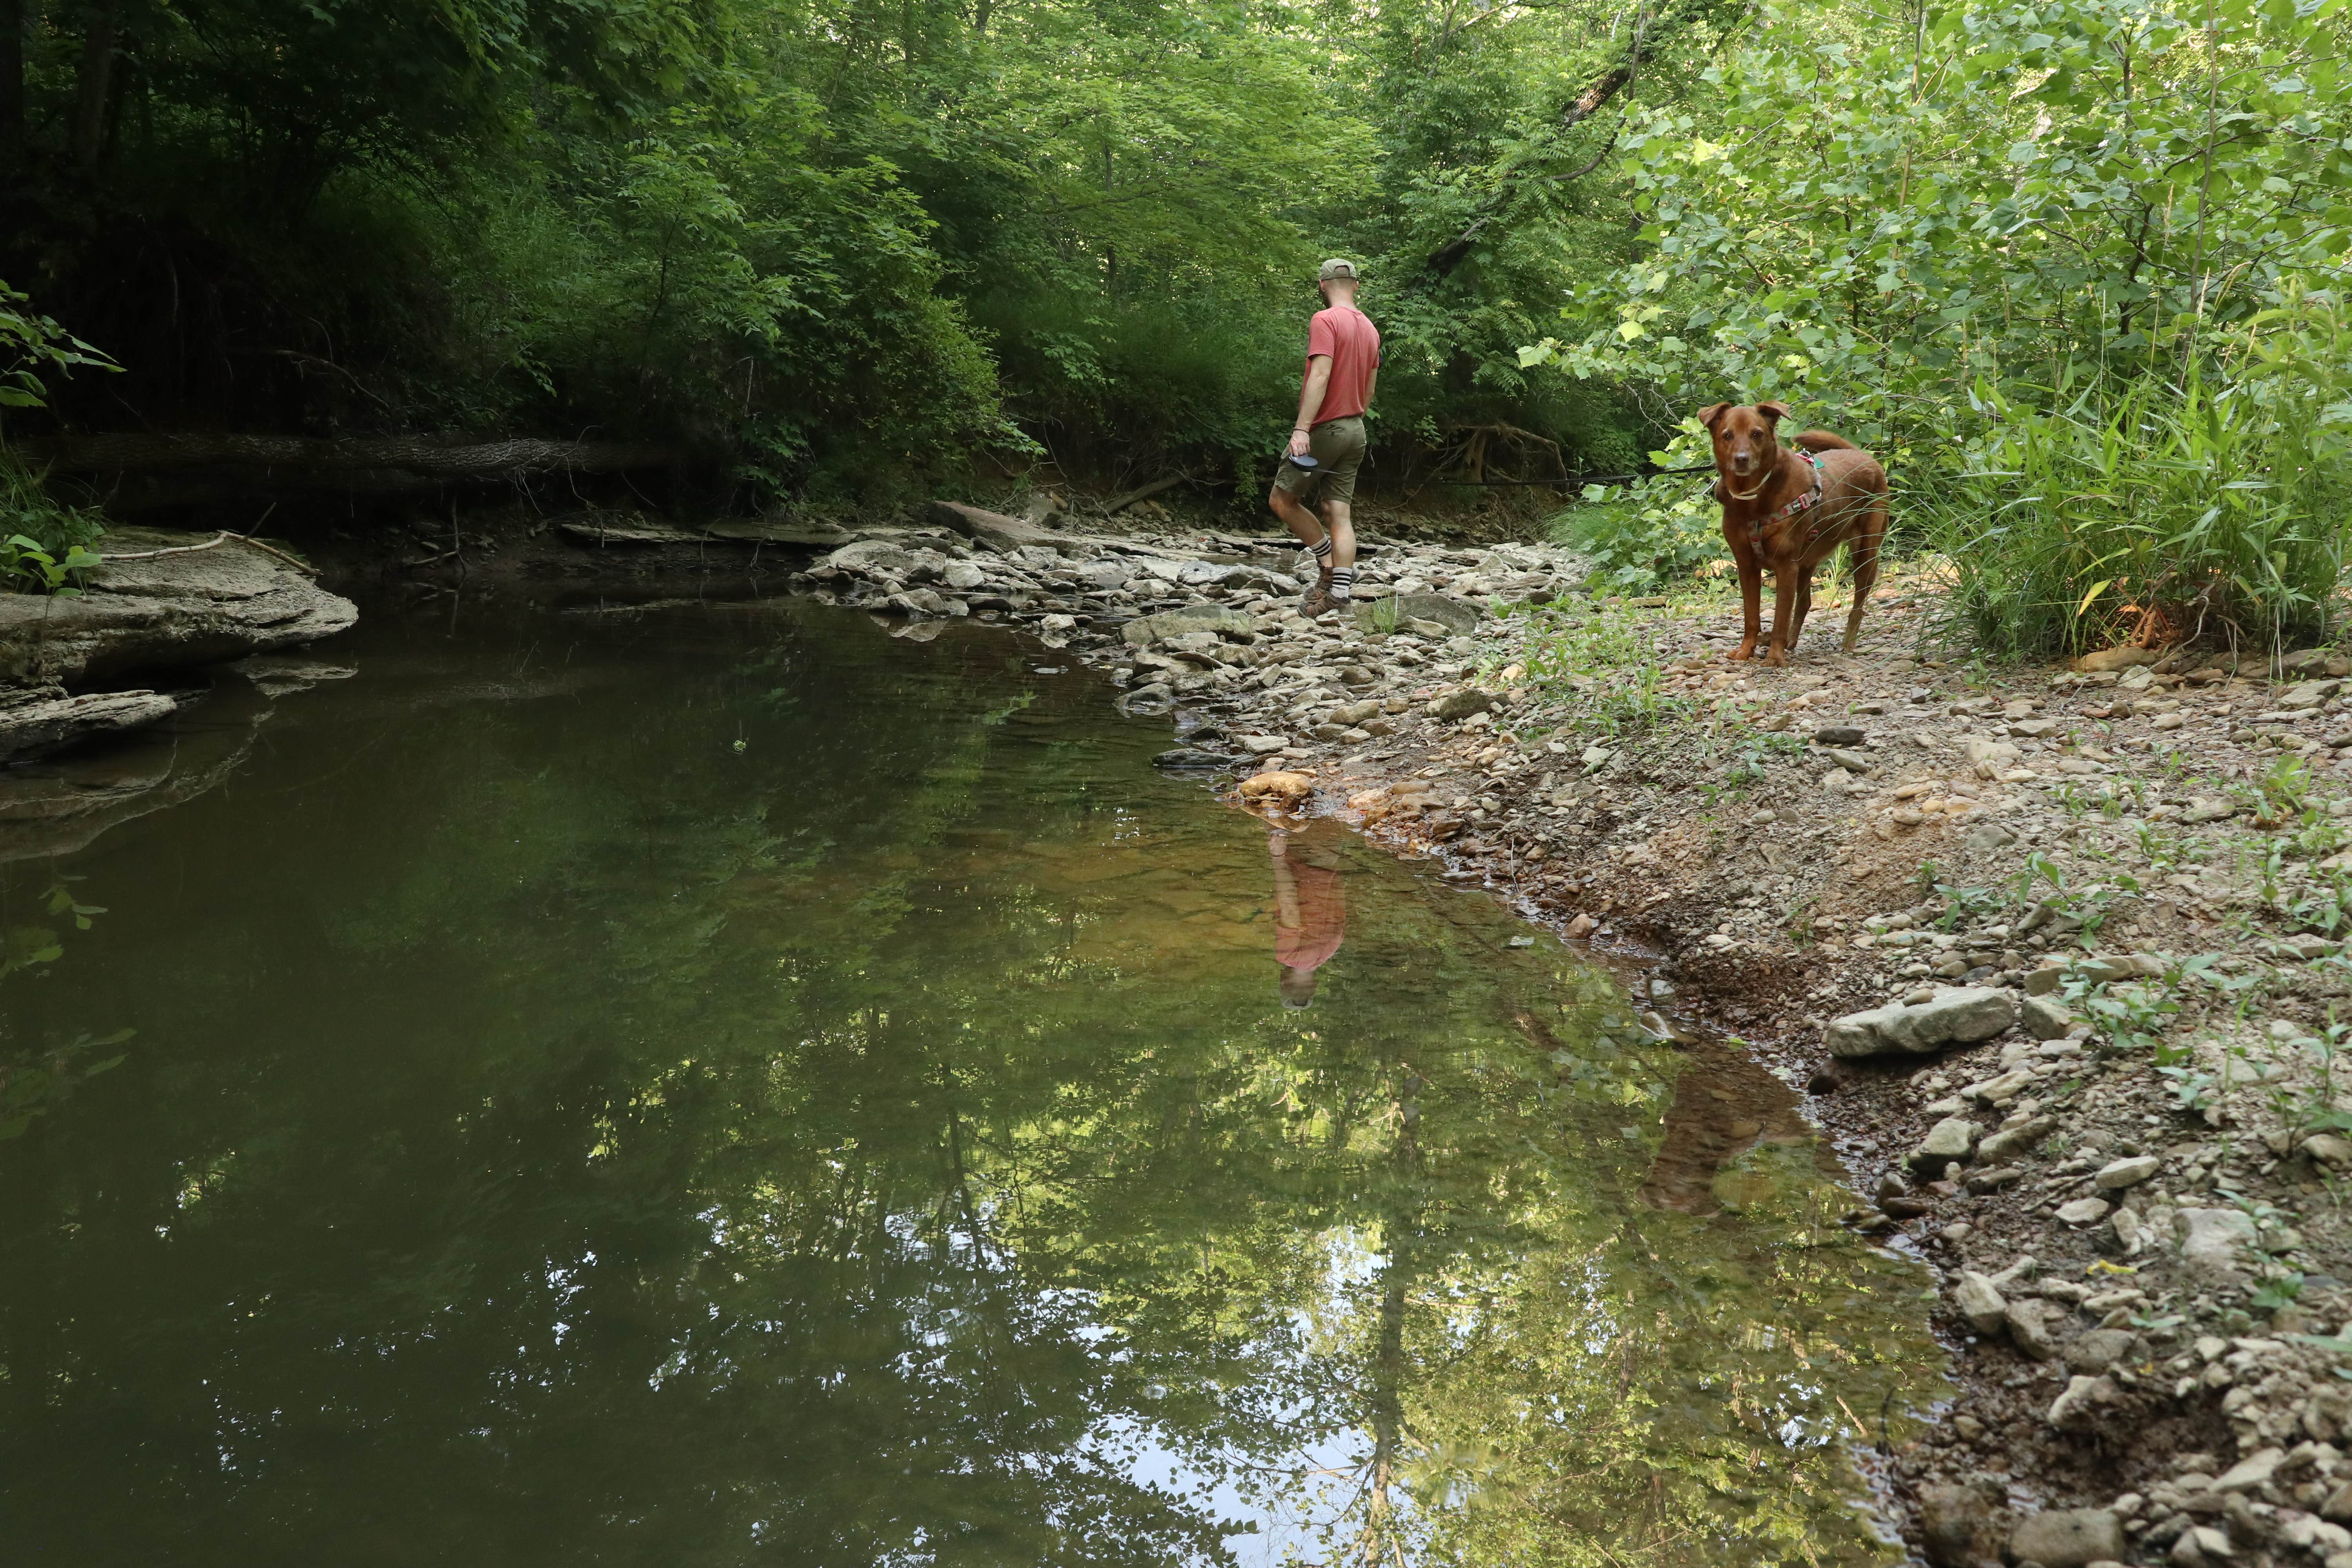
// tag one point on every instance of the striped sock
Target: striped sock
(1322, 552)
(1341, 581)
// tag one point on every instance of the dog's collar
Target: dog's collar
(1751, 495)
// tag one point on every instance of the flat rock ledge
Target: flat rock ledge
(204, 604)
(44, 719)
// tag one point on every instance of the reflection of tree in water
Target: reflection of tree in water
(897, 1155)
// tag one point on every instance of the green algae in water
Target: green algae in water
(724, 1086)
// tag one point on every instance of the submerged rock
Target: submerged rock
(45, 720)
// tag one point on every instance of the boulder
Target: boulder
(2012, 1141)
(1957, 1528)
(1145, 631)
(1278, 788)
(2086, 1402)
(1461, 704)
(871, 556)
(997, 528)
(1950, 1139)
(2116, 1174)
(2098, 1350)
(1398, 611)
(2329, 1149)
(1988, 756)
(1837, 735)
(1957, 1016)
(203, 606)
(2307, 694)
(2213, 1240)
(2116, 658)
(2120, 966)
(2029, 1328)
(2253, 1471)
(2068, 1538)
(1980, 1302)
(2045, 1019)
(43, 719)
(2084, 1211)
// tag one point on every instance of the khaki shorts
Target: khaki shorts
(1338, 448)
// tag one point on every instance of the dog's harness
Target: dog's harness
(1789, 509)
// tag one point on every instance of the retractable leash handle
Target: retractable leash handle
(1301, 459)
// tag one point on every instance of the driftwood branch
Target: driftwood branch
(221, 538)
(428, 456)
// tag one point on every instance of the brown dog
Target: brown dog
(1785, 510)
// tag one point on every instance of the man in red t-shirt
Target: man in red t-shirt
(1343, 363)
(1310, 919)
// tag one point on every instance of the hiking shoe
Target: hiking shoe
(1316, 602)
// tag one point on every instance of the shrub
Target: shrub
(2151, 510)
(1643, 536)
(42, 544)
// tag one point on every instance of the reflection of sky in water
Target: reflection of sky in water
(880, 1143)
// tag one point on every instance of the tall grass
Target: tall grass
(2211, 508)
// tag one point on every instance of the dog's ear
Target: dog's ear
(1711, 413)
(1775, 412)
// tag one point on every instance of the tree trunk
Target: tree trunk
(91, 91)
(12, 83)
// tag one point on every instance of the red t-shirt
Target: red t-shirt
(1353, 343)
(1322, 920)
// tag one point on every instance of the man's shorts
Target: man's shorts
(1338, 448)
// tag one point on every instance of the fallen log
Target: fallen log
(1120, 503)
(428, 456)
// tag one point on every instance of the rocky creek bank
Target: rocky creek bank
(135, 647)
(2056, 952)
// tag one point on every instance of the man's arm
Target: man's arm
(1372, 386)
(1310, 401)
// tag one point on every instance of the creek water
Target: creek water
(716, 1084)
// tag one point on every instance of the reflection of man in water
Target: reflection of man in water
(1308, 918)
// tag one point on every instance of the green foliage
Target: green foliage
(842, 246)
(30, 344)
(2213, 510)
(1653, 531)
(42, 544)
(2071, 270)
(1874, 216)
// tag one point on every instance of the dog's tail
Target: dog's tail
(1823, 441)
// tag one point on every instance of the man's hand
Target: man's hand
(1299, 443)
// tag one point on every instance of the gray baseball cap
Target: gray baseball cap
(1336, 268)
